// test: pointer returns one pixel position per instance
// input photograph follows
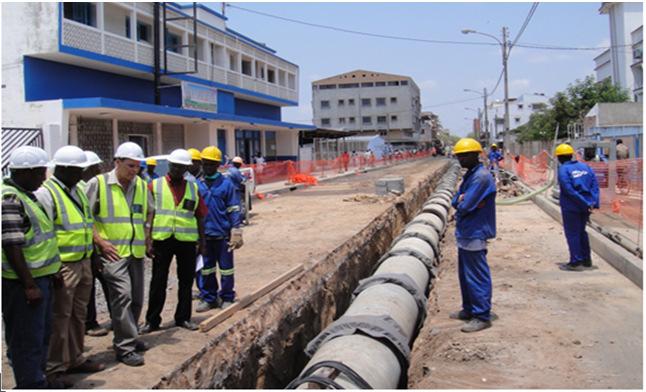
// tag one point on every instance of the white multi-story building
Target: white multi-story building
(520, 110)
(622, 61)
(83, 73)
(369, 102)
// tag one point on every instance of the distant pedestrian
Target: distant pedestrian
(195, 170)
(345, 160)
(475, 224)
(579, 195)
(149, 174)
(623, 152)
(260, 162)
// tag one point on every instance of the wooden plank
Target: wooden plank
(247, 300)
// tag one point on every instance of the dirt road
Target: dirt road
(556, 329)
(299, 227)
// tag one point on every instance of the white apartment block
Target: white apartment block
(371, 103)
(520, 109)
(622, 61)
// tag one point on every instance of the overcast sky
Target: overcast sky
(442, 71)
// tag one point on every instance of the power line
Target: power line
(452, 102)
(413, 39)
(530, 14)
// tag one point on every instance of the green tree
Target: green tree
(569, 106)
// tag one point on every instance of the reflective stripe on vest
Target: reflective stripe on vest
(40, 249)
(120, 223)
(174, 220)
(73, 226)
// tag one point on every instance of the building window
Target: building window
(143, 32)
(271, 76)
(404, 83)
(517, 119)
(366, 102)
(340, 102)
(325, 121)
(393, 118)
(173, 41)
(369, 84)
(393, 83)
(381, 101)
(380, 84)
(246, 67)
(127, 27)
(520, 107)
(366, 120)
(327, 87)
(350, 102)
(325, 104)
(393, 99)
(84, 13)
(233, 62)
(342, 121)
(351, 120)
(381, 119)
(349, 85)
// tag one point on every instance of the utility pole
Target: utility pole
(156, 49)
(224, 7)
(505, 55)
(486, 117)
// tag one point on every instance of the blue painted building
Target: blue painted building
(84, 73)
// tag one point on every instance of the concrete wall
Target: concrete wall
(286, 143)
(172, 137)
(627, 113)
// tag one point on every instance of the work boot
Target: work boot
(204, 306)
(188, 324)
(96, 331)
(148, 328)
(226, 304)
(131, 359)
(476, 325)
(577, 267)
(587, 263)
(461, 315)
(89, 366)
(141, 346)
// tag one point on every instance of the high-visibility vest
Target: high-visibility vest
(40, 249)
(174, 220)
(120, 223)
(73, 226)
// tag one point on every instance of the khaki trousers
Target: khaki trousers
(68, 317)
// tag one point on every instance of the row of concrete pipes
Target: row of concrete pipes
(369, 346)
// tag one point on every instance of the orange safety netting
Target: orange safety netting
(620, 182)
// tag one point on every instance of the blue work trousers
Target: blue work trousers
(27, 331)
(576, 236)
(217, 255)
(475, 283)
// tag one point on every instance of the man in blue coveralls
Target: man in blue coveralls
(579, 195)
(494, 158)
(475, 224)
(223, 233)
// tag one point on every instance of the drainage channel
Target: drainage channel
(266, 348)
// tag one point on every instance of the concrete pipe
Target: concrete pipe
(414, 244)
(443, 195)
(428, 234)
(445, 192)
(408, 265)
(431, 220)
(436, 209)
(446, 204)
(371, 360)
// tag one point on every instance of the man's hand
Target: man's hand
(461, 198)
(34, 295)
(235, 242)
(149, 247)
(108, 250)
(201, 247)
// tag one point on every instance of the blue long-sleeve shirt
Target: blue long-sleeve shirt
(476, 213)
(236, 177)
(494, 158)
(579, 187)
(223, 203)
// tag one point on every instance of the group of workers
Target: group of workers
(475, 216)
(61, 232)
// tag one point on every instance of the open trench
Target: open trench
(265, 349)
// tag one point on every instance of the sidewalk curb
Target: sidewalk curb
(294, 187)
(623, 261)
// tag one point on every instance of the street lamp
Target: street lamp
(505, 56)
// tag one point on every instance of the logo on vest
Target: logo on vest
(579, 173)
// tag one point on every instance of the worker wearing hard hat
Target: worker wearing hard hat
(92, 327)
(30, 264)
(149, 174)
(578, 197)
(123, 209)
(177, 229)
(67, 205)
(223, 233)
(475, 224)
(195, 170)
(494, 157)
(239, 181)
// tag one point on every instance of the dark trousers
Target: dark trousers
(163, 252)
(217, 254)
(577, 239)
(27, 331)
(90, 319)
(475, 283)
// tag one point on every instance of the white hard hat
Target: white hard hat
(237, 160)
(28, 157)
(70, 156)
(130, 150)
(180, 157)
(92, 158)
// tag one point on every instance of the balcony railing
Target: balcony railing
(80, 36)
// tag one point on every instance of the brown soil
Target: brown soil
(299, 227)
(556, 329)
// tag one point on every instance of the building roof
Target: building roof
(360, 76)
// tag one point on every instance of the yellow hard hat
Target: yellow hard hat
(212, 153)
(494, 145)
(151, 162)
(195, 154)
(467, 145)
(564, 149)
